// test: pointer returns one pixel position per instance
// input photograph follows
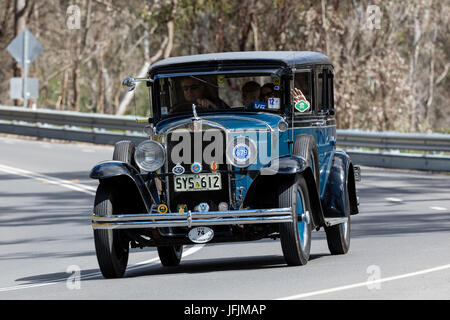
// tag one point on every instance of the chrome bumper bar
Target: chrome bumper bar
(191, 219)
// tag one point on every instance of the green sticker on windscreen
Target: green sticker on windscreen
(302, 106)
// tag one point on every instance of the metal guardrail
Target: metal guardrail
(70, 125)
(390, 149)
(381, 149)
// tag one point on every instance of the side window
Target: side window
(322, 105)
(301, 93)
(330, 90)
(325, 91)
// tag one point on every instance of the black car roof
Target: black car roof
(290, 58)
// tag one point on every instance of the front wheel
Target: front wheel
(111, 247)
(295, 236)
(170, 256)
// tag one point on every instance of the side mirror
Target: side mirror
(129, 84)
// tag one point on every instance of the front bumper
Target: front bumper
(192, 219)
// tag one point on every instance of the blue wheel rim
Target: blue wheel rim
(302, 225)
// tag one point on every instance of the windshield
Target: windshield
(220, 92)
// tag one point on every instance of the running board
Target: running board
(334, 221)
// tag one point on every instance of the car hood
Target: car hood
(228, 121)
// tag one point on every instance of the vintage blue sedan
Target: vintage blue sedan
(242, 146)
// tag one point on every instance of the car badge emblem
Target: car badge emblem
(203, 207)
(302, 106)
(213, 166)
(241, 152)
(181, 208)
(178, 169)
(196, 167)
(162, 208)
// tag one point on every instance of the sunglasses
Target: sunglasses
(191, 87)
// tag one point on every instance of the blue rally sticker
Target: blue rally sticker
(196, 167)
(178, 169)
(241, 152)
(260, 105)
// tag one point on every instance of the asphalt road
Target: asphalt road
(399, 248)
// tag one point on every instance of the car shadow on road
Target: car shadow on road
(190, 267)
(217, 265)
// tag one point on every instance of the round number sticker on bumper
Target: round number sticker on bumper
(201, 234)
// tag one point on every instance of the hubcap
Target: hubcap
(303, 226)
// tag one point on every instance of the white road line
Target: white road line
(439, 208)
(48, 179)
(394, 199)
(137, 266)
(363, 284)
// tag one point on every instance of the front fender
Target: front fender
(125, 179)
(263, 192)
(285, 165)
(340, 182)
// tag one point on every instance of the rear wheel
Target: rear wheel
(338, 236)
(295, 237)
(170, 256)
(111, 247)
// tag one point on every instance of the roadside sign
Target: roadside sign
(16, 88)
(24, 48)
(17, 47)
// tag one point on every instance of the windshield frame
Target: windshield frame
(280, 72)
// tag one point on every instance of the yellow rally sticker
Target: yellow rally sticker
(162, 208)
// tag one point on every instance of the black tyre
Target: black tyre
(305, 146)
(170, 256)
(124, 151)
(110, 245)
(296, 237)
(338, 236)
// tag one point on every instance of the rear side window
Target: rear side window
(325, 91)
(301, 93)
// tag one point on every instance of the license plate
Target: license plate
(201, 234)
(197, 182)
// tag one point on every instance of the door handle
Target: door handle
(319, 123)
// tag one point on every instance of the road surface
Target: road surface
(400, 245)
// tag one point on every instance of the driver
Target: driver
(195, 91)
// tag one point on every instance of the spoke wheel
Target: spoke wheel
(110, 245)
(295, 237)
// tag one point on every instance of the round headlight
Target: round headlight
(282, 126)
(150, 155)
(241, 152)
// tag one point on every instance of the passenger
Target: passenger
(268, 91)
(251, 91)
(298, 95)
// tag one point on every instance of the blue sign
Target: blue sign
(241, 152)
(178, 169)
(260, 105)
